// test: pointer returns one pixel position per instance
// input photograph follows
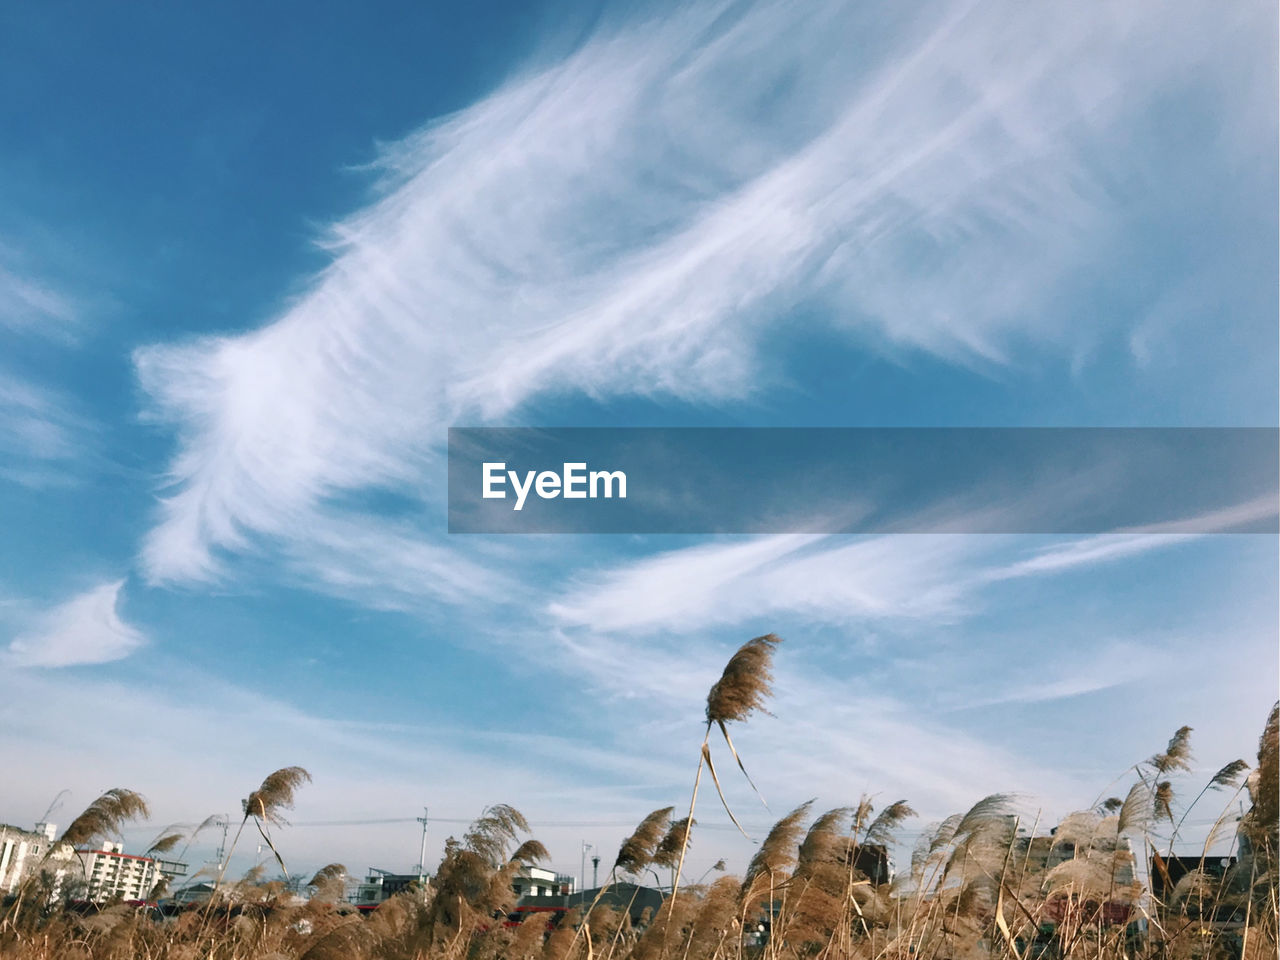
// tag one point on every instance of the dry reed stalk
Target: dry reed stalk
(266, 803)
(715, 919)
(635, 853)
(745, 686)
(624, 924)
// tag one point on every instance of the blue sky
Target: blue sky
(253, 266)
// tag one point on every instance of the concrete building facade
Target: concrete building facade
(536, 882)
(110, 874)
(25, 853)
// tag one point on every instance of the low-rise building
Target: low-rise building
(380, 885)
(532, 881)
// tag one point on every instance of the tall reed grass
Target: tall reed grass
(984, 882)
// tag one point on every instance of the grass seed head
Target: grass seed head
(746, 683)
(276, 794)
(668, 852)
(1176, 756)
(638, 850)
(105, 816)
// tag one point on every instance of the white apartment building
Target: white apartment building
(110, 873)
(23, 853)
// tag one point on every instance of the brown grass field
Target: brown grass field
(980, 884)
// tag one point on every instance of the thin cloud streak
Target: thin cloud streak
(31, 304)
(581, 231)
(838, 579)
(824, 579)
(44, 440)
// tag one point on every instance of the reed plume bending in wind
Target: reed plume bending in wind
(494, 831)
(635, 854)
(474, 878)
(638, 850)
(823, 837)
(531, 852)
(1135, 811)
(673, 842)
(744, 687)
(166, 842)
(716, 920)
(1264, 789)
(1261, 827)
(1164, 801)
(266, 805)
(276, 795)
(105, 816)
(668, 851)
(815, 910)
(1176, 756)
(882, 828)
(328, 882)
(778, 853)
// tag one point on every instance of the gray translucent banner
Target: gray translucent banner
(863, 480)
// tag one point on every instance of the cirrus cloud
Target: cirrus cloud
(582, 231)
(86, 629)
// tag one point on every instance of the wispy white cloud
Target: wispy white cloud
(39, 432)
(86, 629)
(827, 578)
(833, 579)
(583, 230)
(895, 747)
(1064, 674)
(30, 303)
(392, 566)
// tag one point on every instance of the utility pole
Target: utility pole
(422, 857)
(220, 855)
(583, 873)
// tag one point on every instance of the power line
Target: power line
(372, 822)
(468, 820)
